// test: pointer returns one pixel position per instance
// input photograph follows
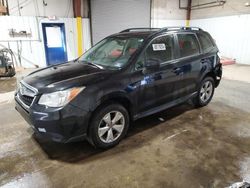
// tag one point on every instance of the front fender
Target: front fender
(115, 96)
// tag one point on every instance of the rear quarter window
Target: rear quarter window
(205, 41)
(188, 45)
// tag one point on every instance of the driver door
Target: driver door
(155, 88)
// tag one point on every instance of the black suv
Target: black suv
(126, 76)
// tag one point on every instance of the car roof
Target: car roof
(139, 34)
(147, 32)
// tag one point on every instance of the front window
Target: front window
(160, 49)
(112, 52)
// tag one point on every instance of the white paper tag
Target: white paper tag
(159, 47)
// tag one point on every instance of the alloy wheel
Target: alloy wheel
(111, 126)
(206, 91)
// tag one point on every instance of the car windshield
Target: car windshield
(113, 52)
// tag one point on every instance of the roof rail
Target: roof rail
(164, 29)
(179, 28)
(140, 28)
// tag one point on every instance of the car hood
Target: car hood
(59, 77)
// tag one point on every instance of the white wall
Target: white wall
(168, 10)
(167, 13)
(33, 48)
(167, 23)
(232, 35)
(59, 8)
(230, 8)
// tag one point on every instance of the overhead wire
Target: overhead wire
(20, 4)
(25, 3)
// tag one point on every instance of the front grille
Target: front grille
(26, 99)
(26, 94)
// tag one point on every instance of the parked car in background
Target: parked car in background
(7, 68)
(126, 76)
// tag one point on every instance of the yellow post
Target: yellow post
(79, 35)
(187, 23)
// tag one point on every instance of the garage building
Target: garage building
(181, 146)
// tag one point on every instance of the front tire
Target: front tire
(108, 126)
(205, 92)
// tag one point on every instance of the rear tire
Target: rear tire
(205, 92)
(108, 126)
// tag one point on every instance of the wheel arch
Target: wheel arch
(208, 74)
(116, 97)
(214, 72)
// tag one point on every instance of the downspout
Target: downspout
(188, 13)
(78, 16)
(90, 19)
(7, 6)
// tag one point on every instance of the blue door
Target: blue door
(54, 43)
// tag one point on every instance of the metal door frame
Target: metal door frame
(62, 26)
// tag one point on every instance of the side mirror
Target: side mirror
(151, 65)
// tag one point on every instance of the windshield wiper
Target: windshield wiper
(98, 66)
(93, 64)
(75, 60)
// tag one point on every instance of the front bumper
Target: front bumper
(66, 124)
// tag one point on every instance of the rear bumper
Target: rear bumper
(218, 74)
(63, 125)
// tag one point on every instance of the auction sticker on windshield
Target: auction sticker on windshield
(159, 47)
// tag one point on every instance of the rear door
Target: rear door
(209, 49)
(188, 65)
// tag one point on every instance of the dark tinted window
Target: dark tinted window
(161, 49)
(188, 45)
(205, 41)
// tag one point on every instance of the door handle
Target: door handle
(203, 61)
(176, 70)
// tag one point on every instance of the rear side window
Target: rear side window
(205, 41)
(161, 49)
(188, 45)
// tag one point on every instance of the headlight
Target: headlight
(59, 98)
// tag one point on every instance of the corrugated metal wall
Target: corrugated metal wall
(33, 48)
(232, 35)
(109, 16)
